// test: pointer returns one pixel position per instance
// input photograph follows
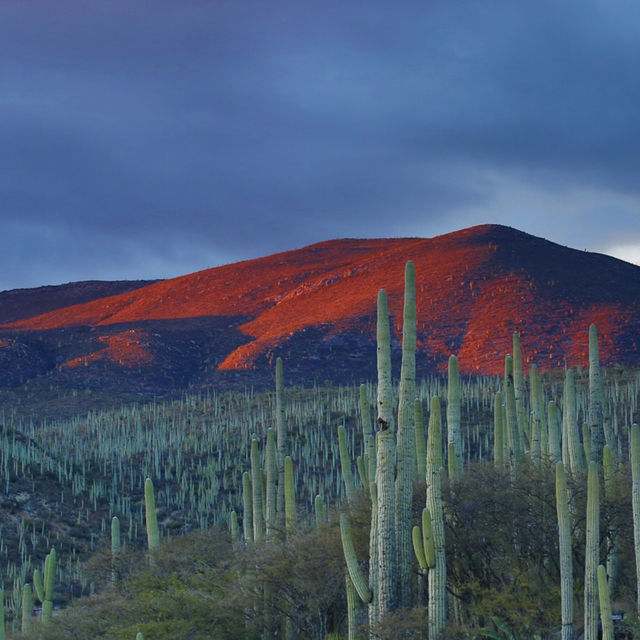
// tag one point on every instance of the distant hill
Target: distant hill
(315, 307)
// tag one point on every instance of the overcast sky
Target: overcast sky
(145, 139)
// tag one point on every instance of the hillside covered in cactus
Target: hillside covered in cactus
(315, 307)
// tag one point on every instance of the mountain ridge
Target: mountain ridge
(316, 307)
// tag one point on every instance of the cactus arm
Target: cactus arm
(592, 542)
(289, 496)
(355, 572)
(153, 534)
(345, 463)
(564, 540)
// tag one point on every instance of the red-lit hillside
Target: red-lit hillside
(316, 307)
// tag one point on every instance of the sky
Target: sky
(149, 139)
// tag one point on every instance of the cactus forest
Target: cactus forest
(441, 508)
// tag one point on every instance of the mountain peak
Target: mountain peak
(316, 306)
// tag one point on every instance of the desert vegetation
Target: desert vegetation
(451, 507)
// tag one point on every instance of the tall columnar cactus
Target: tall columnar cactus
(234, 529)
(44, 590)
(385, 483)
(635, 501)
(591, 559)
(151, 518)
(368, 436)
(453, 418)
(555, 448)
(566, 566)
(247, 508)
(27, 608)
(345, 464)
(289, 497)
(282, 443)
(609, 469)
(422, 538)
(421, 441)
(596, 420)
(498, 431)
(437, 575)
(513, 435)
(605, 604)
(271, 468)
(256, 491)
(406, 447)
(536, 416)
(570, 421)
(518, 384)
(320, 511)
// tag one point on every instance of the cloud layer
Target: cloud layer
(151, 139)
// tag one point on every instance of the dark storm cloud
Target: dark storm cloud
(142, 139)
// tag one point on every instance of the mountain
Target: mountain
(315, 307)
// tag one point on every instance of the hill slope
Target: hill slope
(315, 306)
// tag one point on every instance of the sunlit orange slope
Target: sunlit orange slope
(474, 288)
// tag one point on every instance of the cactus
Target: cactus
(345, 463)
(570, 421)
(405, 445)
(139, 636)
(115, 547)
(321, 514)
(355, 572)
(536, 416)
(27, 608)
(555, 448)
(592, 542)
(369, 438)
(453, 418)
(635, 501)
(596, 419)
(437, 575)
(498, 431)
(234, 529)
(605, 604)
(271, 469)
(608, 466)
(518, 384)
(151, 518)
(282, 444)
(566, 566)
(421, 441)
(247, 508)
(256, 493)
(513, 436)
(289, 497)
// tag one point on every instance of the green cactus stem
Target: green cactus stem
(247, 508)
(353, 566)
(234, 529)
(257, 489)
(513, 436)
(345, 463)
(609, 469)
(282, 441)
(320, 511)
(368, 436)
(555, 448)
(438, 574)
(115, 548)
(421, 441)
(570, 423)
(271, 473)
(635, 501)
(289, 497)
(405, 444)
(592, 542)
(454, 396)
(151, 518)
(605, 604)
(518, 383)
(596, 419)
(27, 608)
(564, 539)
(498, 431)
